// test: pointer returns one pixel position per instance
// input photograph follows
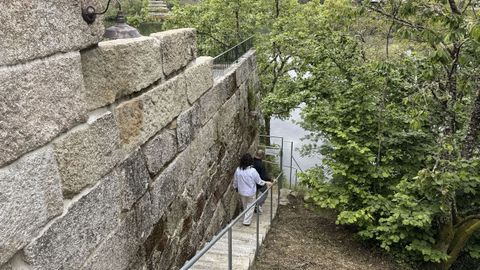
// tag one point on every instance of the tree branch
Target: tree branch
(454, 8)
(214, 38)
(465, 220)
(398, 20)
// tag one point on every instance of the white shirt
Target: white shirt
(246, 180)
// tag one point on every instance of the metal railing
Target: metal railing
(293, 167)
(228, 229)
(229, 57)
(280, 151)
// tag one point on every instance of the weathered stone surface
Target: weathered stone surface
(140, 262)
(211, 101)
(243, 108)
(121, 248)
(226, 85)
(67, 243)
(164, 103)
(187, 249)
(120, 67)
(87, 153)
(178, 211)
(216, 221)
(206, 218)
(178, 47)
(30, 195)
(135, 179)
(254, 80)
(230, 202)
(201, 146)
(173, 179)
(197, 179)
(118, 250)
(199, 76)
(6, 266)
(227, 120)
(164, 256)
(168, 184)
(34, 29)
(142, 117)
(38, 101)
(160, 150)
(156, 243)
(129, 116)
(143, 212)
(188, 124)
(246, 64)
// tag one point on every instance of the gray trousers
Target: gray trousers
(260, 190)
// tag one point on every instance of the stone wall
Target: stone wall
(114, 154)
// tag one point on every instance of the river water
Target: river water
(292, 132)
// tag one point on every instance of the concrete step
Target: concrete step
(163, 11)
(222, 264)
(159, 15)
(157, 6)
(244, 243)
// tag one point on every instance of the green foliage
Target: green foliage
(394, 125)
(136, 12)
(220, 24)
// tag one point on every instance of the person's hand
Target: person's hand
(269, 184)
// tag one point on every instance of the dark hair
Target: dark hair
(246, 161)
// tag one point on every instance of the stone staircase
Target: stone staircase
(158, 9)
(243, 242)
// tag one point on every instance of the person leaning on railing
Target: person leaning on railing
(245, 182)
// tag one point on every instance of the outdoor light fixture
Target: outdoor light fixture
(119, 31)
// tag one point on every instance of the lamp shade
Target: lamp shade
(121, 29)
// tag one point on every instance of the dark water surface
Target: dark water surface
(293, 132)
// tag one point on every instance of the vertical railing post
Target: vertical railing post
(258, 227)
(281, 169)
(271, 206)
(291, 162)
(296, 176)
(230, 264)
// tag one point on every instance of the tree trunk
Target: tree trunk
(267, 130)
(462, 235)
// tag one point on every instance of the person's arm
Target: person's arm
(257, 178)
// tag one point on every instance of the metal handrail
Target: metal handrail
(229, 227)
(293, 161)
(298, 166)
(245, 41)
(271, 136)
(229, 57)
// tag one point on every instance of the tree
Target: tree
(401, 131)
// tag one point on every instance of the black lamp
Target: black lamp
(120, 30)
